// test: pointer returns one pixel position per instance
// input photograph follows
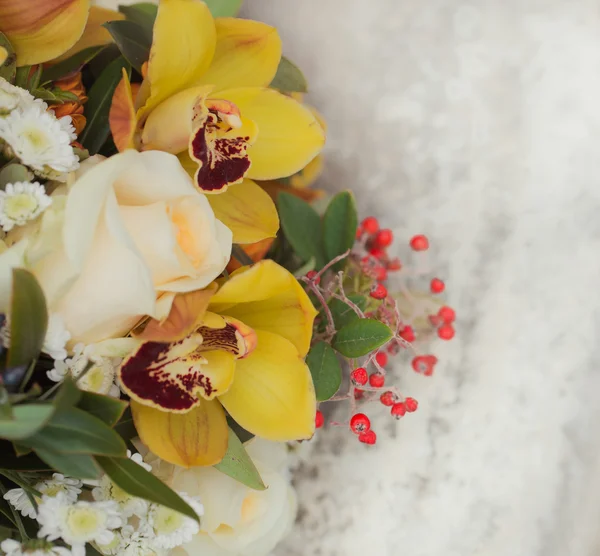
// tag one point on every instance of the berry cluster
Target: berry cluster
(413, 315)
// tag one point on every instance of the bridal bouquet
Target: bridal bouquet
(175, 301)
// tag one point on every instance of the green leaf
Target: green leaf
(107, 409)
(9, 66)
(237, 464)
(73, 431)
(135, 480)
(302, 227)
(289, 78)
(342, 313)
(325, 369)
(70, 65)
(361, 337)
(79, 466)
(68, 394)
(224, 8)
(6, 511)
(143, 14)
(339, 225)
(21, 450)
(239, 431)
(125, 428)
(14, 172)
(133, 41)
(98, 105)
(29, 319)
(27, 420)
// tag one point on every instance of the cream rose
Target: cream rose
(127, 230)
(237, 520)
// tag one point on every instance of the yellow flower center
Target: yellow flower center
(19, 206)
(118, 494)
(37, 139)
(83, 522)
(95, 379)
(167, 521)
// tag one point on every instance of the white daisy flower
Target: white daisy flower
(168, 528)
(78, 523)
(21, 202)
(99, 378)
(57, 337)
(40, 141)
(129, 542)
(59, 484)
(129, 505)
(36, 547)
(12, 97)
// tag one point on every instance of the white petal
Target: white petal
(9, 259)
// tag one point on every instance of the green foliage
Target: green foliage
(71, 65)
(135, 480)
(302, 227)
(80, 466)
(8, 68)
(26, 421)
(143, 13)
(289, 78)
(133, 40)
(339, 225)
(100, 95)
(325, 369)
(342, 313)
(68, 394)
(29, 320)
(224, 8)
(361, 337)
(237, 464)
(14, 172)
(107, 409)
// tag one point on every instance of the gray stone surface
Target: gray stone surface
(478, 123)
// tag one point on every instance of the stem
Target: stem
(18, 520)
(331, 263)
(314, 288)
(241, 256)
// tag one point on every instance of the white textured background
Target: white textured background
(478, 123)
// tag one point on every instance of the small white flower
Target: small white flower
(40, 141)
(99, 378)
(21, 202)
(168, 528)
(129, 505)
(135, 543)
(78, 523)
(33, 548)
(59, 484)
(57, 337)
(12, 97)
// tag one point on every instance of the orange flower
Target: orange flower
(72, 84)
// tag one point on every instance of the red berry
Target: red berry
(368, 437)
(446, 332)
(393, 348)
(370, 225)
(419, 243)
(377, 253)
(447, 314)
(424, 364)
(312, 275)
(381, 358)
(380, 273)
(359, 232)
(411, 404)
(319, 419)
(378, 291)
(384, 238)
(394, 264)
(377, 380)
(437, 285)
(435, 320)
(359, 376)
(359, 394)
(407, 333)
(398, 410)
(359, 423)
(388, 398)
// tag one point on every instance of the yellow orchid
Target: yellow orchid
(205, 98)
(240, 349)
(45, 30)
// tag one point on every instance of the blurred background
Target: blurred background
(477, 123)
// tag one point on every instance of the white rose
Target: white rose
(237, 520)
(129, 228)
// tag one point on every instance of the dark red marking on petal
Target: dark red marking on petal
(225, 339)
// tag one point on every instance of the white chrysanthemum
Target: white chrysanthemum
(57, 337)
(59, 484)
(129, 505)
(99, 378)
(135, 543)
(35, 547)
(168, 528)
(12, 97)
(78, 523)
(40, 141)
(21, 202)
